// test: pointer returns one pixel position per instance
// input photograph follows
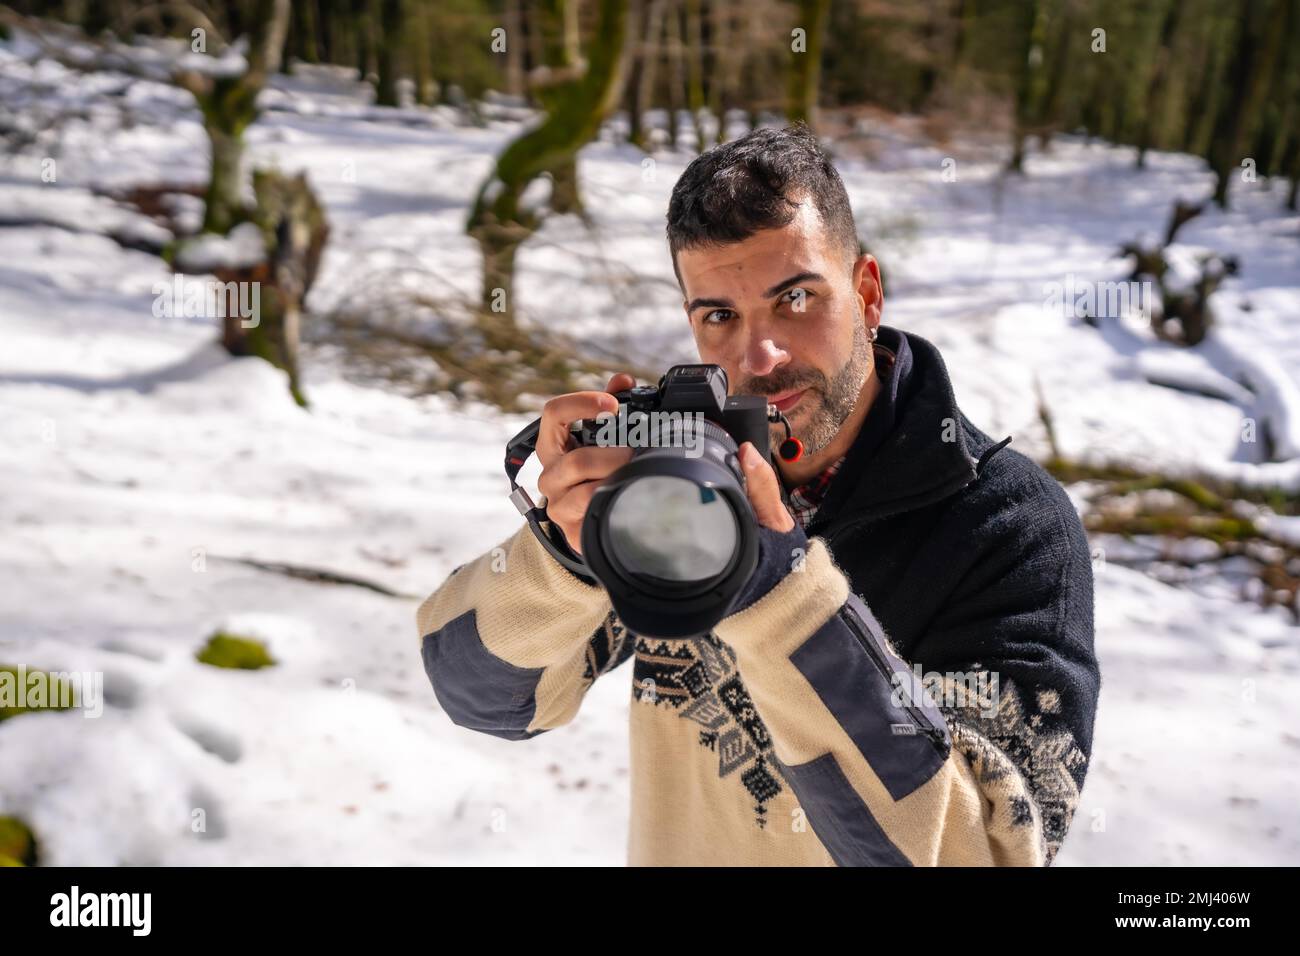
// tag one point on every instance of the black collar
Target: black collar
(930, 451)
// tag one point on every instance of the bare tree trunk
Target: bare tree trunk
(1029, 82)
(1159, 80)
(733, 52)
(514, 49)
(651, 51)
(304, 26)
(677, 97)
(695, 69)
(421, 54)
(723, 89)
(392, 24)
(362, 37)
(536, 44)
(1258, 46)
(805, 64)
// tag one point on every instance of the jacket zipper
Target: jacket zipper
(920, 719)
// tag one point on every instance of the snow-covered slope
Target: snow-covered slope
(139, 459)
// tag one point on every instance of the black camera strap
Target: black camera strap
(517, 452)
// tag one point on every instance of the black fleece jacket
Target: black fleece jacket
(974, 561)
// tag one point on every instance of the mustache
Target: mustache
(783, 381)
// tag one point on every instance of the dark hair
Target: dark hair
(732, 191)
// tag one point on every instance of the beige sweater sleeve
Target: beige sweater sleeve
(512, 640)
(880, 781)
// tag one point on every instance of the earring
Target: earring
(871, 334)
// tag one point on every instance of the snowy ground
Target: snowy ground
(138, 457)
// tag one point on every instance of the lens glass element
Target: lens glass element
(672, 529)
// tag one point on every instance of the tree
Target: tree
(806, 61)
(1031, 80)
(1258, 43)
(575, 107)
(644, 68)
(392, 22)
(224, 82)
(229, 106)
(294, 231)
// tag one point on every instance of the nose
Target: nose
(762, 355)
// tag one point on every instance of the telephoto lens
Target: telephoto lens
(673, 538)
(671, 534)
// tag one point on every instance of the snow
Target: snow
(1189, 370)
(242, 248)
(141, 461)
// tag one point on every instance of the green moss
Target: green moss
(17, 844)
(1221, 531)
(231, 650)
(56, 689)
(171, 248)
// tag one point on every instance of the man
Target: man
(908, 541)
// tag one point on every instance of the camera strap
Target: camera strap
(517, 452)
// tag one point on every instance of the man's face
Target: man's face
(786, 316)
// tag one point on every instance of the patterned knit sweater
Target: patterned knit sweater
(793, 734)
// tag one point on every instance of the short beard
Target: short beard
(841, 396)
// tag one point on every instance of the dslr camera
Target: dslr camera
(671, 534)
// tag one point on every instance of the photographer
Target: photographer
(904, 541)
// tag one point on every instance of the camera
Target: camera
(671, 534)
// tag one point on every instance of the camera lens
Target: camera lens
(671, 535)
(672, 529)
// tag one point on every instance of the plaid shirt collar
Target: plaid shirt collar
(807, 498)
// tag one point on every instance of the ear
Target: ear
(866, 278)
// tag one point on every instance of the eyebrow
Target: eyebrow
(786, 283)
(767, 294)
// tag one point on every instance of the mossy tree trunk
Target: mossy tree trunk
(294, 232)
(229, 105)
(575, 110)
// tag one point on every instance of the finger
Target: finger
(763, 490)
(620, 381)
(589, 463)
(562, 411)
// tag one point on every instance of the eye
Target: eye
(716, 317)
(797, 293)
